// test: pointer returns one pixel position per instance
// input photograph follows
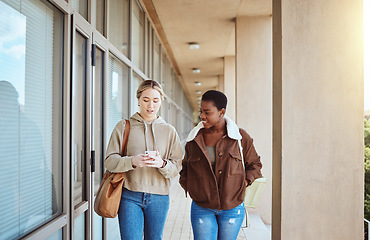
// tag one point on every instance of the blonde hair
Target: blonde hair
(149, 84)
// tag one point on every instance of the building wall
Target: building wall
(321, 63)
(253, 93)
(229, 85)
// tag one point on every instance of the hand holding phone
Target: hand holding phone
(151, 153)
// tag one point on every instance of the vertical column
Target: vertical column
(229, 85)
(253, 93)
(221, 83)
(319, 71)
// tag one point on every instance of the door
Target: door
(89, 60)
(80, 171)
(99, 59)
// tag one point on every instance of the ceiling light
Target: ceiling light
(198, 83)
(199, 98)
(193, 45)
(198, 92)
(196, 70)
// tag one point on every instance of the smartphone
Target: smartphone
(151, 153)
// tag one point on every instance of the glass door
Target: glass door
(97, 142)
(80, 170)
(89, 50)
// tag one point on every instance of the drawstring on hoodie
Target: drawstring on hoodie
(146, 136)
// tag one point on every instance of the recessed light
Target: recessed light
(196, 70)
(198, 92)
(197, 83)
(199, 98)
(193, 45)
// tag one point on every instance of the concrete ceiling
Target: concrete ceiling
(211, 23)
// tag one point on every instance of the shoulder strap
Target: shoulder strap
(125, 138)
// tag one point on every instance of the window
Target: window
(116, 102)
(31, 115)
(156, 58)
(100, 16)
(116, 95)
(118, 24)
(137, 56)
(81, 7)
(136, 80)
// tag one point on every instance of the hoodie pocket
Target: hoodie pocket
(235, 164)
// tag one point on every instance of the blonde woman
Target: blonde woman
(153, 158)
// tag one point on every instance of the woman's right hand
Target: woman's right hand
(138, 160)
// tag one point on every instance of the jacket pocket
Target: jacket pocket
(235, 164)
(195, 182)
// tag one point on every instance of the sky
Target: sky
(13, 48)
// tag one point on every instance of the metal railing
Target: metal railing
(368, 227)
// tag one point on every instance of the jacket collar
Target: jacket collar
(231, 127)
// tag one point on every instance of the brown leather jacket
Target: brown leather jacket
(223, 188)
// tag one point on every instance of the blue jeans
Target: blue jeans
(142, 213)
(211, 224)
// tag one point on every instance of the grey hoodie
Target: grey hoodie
(157, 135)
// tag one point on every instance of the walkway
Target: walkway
(178, 226)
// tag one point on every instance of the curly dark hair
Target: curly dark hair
(217, 97)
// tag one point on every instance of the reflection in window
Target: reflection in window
(118, 24)
(30, 116)
(137, 56)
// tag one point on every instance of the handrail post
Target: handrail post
(368, 228)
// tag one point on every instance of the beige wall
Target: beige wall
(253, 92)
(229, 85)
(221, 83)
(322, 119)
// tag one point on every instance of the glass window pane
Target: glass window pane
(113, 229)
(57, 236)
(156, 59)
(115, 95)
(98, 118)
(118, 24)
(30, 115)
(98, 227)
(79, 227)
(136, 80)
(137, 56)
(81, 7)
(149, 50)
(164, 110)
(163, 70)
(116, 102)
(100, 15)
(78, 118)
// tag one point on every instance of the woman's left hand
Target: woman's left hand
(154, 161)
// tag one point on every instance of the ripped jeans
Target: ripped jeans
(211, 224)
